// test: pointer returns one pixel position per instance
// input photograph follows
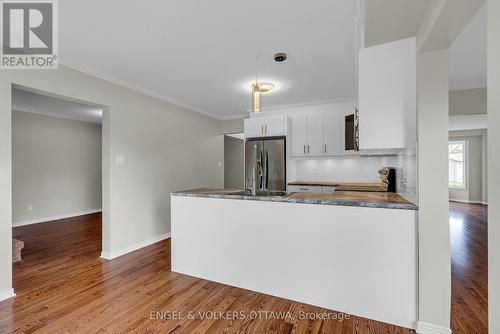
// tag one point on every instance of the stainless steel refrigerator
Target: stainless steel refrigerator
(265, 160)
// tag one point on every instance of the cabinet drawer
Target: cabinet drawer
(328, 189)
(304, 189)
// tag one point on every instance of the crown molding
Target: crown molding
(66, 116)
(133, 87)
(307, 104)
(235, 116)
(246, 113)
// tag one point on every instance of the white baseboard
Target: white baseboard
(6, 294)
(468, 202)
(125, 250)
(425, 328)
(48, 219)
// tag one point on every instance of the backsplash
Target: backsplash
(360, 169)
(348, 169)
(406, 176)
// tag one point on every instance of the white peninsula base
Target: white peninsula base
(357, 260)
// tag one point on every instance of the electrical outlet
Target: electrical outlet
(30, 207)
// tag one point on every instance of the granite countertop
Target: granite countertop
(342, 198)
(342, 186)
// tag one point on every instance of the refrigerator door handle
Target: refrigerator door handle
(266, 172)
(261, 172)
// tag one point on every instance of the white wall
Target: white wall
(234, 163)
(166, 148)
(494, 165)
(232, 126)
(56, 167)
(468, 101)
(434, 233)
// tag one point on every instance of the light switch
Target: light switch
(219, 163)
(120, 159)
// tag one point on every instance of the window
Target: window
(457, 164)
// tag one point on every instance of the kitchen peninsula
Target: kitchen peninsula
(352, 252)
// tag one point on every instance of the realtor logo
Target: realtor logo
(29, 34)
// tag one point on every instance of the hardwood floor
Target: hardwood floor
(63, 286)
(469, 268)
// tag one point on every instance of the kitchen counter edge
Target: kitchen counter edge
(230, 194)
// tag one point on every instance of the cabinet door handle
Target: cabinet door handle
(262, 129)
(265, 129)
(325, 148)
(304, 149)
(307, 148)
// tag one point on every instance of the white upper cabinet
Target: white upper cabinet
(253, 127)
(317, 134)
(265, 126)
(332, 134)
(307, 135)
(387, 96)
(275, 125)
(298, 135)
(315, 145)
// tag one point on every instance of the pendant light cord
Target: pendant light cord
(256, 68)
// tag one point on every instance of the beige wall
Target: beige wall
(234, 163)
(232, 126)
(166, 148)
(476, 173)
(494, 165)
(468, 101)
(434, 233)
(56, 166)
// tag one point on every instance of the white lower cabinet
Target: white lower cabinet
(328, 189)
(304, 189)
(310, 189)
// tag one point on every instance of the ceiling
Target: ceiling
(51, 106)
(468, 55)
(390, 20)
(202, 54)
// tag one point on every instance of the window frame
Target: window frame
(465, 163)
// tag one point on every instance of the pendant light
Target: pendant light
(256, 95)
(256, 91)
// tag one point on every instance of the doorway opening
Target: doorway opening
(57, 183)
(234, 161)
(468, 179)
